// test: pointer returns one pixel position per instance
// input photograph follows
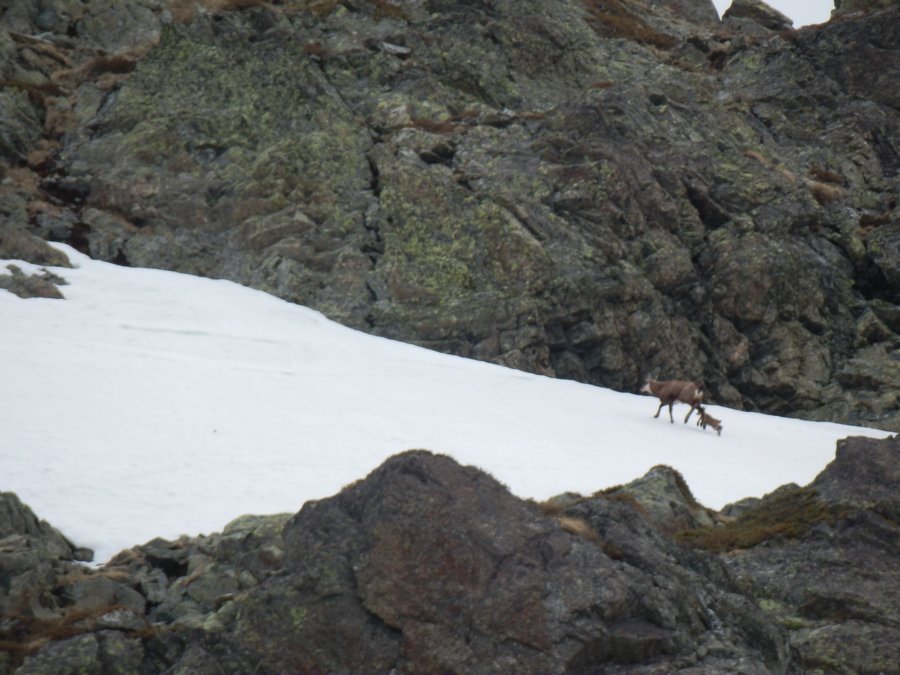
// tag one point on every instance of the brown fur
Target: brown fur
(670, 392)
(705, 419)
(824, 192)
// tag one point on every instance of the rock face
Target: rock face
(833, 582)
(33, 556)
(428, 566)
(598, 191)
(758, 12)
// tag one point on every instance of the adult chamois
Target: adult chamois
(671, 391)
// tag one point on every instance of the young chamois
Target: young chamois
(670, 392)
(704, 419)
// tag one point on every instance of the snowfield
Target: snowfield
(150, 403)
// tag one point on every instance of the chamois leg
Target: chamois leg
(690, 412)
(671, 419)
(659, 409)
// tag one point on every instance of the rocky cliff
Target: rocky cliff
(598, 191)
(426, 566)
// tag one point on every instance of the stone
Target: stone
(863, 473)
(30, 286)
(19, 244)
(829, 584)
(99, 592)
(759, 12)
(667, 500)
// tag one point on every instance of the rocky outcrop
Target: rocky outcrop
(759, 13)
(43, 285)
(444, 571)
(822, 560)
(666, 500)
(428, 566)
(142, 611)
(33, 556)
(597, 191)
(842, 7)
(424, 566)
(18, 244)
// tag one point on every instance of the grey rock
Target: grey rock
(429, 566)
(439, 568)
(17, 519)
(864, 473)
(759, 12)
(97, 592)
(842, 7)
(104, 653)
(666, 500)
(31, 285)
(831, 586)
(702, 12)
(20, 126)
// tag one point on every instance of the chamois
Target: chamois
(704, 419)
(670, 391)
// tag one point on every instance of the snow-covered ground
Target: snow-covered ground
(150, 403)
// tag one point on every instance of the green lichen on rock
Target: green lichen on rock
(248, 122)
(587, 190)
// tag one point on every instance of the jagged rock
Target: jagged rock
(96, 592)
(20, 126)
(427, 566)
(824, 560)
(702, 12)
(17, 520)
(759, 12)
(31, 285)
(33, 555)
(842, 7)
(864, 473)
(666, 500)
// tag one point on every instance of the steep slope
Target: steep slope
(598, 191)
(151, 403)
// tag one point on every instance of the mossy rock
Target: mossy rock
(789, 514)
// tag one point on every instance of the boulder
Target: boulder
(106, 652)
(865, 473)
(31, 285)
(19, 244)
(842, 7)
(666, 500)
(760, 13)
(18, 520)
